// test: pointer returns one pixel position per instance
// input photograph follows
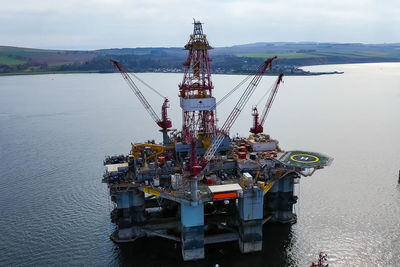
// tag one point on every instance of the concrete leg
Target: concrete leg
(192, 235)
(250, 210)
(280, 199)
(137, 208)
(131, 203)
(250, 236)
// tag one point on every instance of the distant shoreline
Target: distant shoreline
(238, 59)
(302, 73)
(97, 72)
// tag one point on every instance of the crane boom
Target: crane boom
(236, 111)
(270, 99)
(136, 91)
(258, 122)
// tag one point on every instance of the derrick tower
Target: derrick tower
(195, 91)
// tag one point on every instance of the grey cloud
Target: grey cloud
(127, 23)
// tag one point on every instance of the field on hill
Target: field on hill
(234, 59)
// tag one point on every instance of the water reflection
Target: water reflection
(277, 251)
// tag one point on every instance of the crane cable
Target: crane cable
(264, 96)
(218, 103)
(147, 85)
(233, 90)
(227, 95)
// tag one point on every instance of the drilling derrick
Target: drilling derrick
(195, 91)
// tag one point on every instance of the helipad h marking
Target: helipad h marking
(304, 158)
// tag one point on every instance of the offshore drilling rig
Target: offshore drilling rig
(199, 186)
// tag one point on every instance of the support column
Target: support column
(131, 203)
(280, 199)
(138, 213)
(192, 231)
(250, 210)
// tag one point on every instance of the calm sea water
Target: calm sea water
(56, 129)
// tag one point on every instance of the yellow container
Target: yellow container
(262, 185)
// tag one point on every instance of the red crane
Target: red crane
(164, 122)
(224, 130)
(258, 124)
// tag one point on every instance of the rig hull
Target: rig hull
(241, 191)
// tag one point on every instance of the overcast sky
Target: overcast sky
(93, 24)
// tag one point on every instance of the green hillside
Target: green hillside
(234, 59)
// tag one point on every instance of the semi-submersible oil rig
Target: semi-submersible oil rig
(199, 186)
